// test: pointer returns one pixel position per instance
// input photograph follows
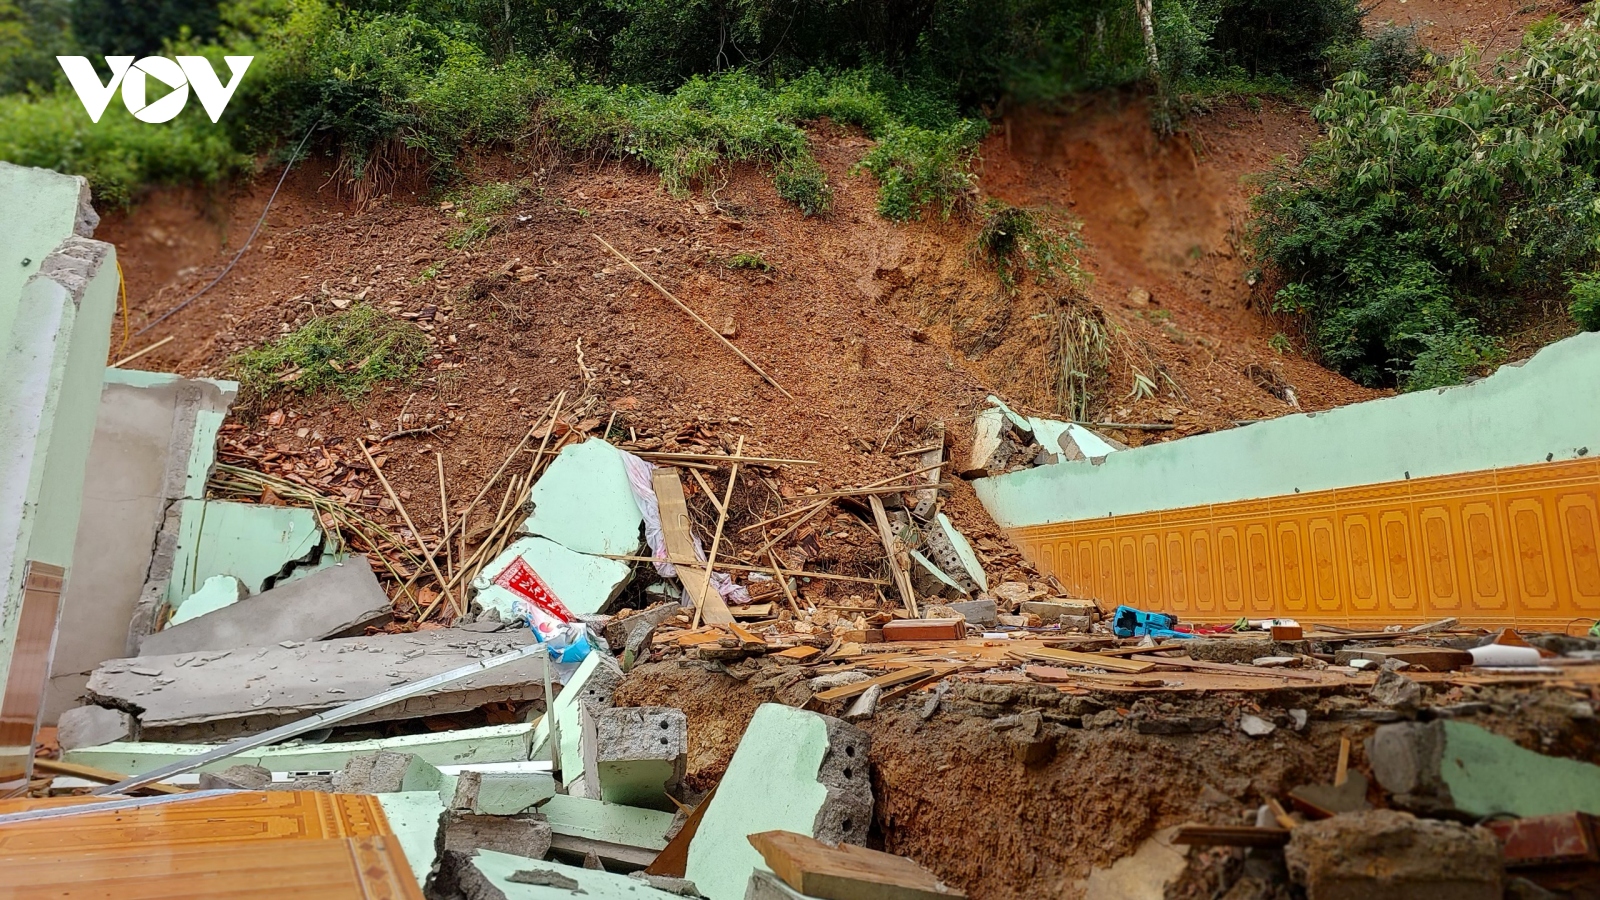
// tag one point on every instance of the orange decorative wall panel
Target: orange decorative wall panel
(1513, 546)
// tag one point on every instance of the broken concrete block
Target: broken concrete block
(211, 695)
(1076, 623)
(498, 793)
(1241, 651)
(950, 554)
(1144, 874)
(91, 726)
(766, 886)
(627, 836)
(218, 592)
(488, 875)
(154, 442)
(414, 818)
(1397, 691)
(1448, 766)
(525, 834)
(332, 601)
(629, 634)
(584, 584)
(1381, 854)
(978, 612)
(792, 771)
(1051, 611)
(634, 755)
(236, 778)
(593, 682)
(584, 502)
(256, 544)
(385, 772)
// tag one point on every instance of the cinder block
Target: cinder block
(634, 755)
(526, 835)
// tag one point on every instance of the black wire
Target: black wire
(253, 232)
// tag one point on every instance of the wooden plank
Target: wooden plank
(695, 639)
(846, 872)
(1230, 836)
(753, 611)
(1071, 657)
(716, 539)
(752, 642)
(674, 858)
(899, 560)
(680, 545)
(1055, 675)
(845, 692)
(909, 687)
(1184, 662)
(90, 773)
(925, 630)
(799, 654)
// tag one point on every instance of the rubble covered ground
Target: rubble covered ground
(1023, 742)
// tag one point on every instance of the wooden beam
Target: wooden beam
(680, 546)
(716, 541)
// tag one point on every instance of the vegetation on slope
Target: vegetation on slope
(1436, 212)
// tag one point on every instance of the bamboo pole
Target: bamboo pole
(716, 540)
(461, 608)
(696, 316)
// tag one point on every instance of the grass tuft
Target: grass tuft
(349, 351)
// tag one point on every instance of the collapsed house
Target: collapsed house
(625, 685)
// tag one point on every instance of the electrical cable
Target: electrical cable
(253, 232)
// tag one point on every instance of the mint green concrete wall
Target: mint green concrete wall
(770, 785)
(55, 332)
(1544, 409)
(1489, 774)
(38, 209)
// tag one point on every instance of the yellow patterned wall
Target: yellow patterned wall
(1514, 546)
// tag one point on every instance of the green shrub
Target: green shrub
(1013, 238)
(349, 351)
(118, 155)
(1291, 38)
(748, 261)
(1443, 202)
(918, 167)
(1585, 306)
(1452, 356)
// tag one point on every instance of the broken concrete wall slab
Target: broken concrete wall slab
(154, 442)
(488, 875)
(957, 557)
(1445, 766)
(91, 726)
(332, 601)
(792, 771)
(593, 682)
(58, 292)
(214, 695)
(493, 793)
(259, 545)
(414, 818)
(584, 502)
(626, 835)
(583, 583)
(490, 744)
